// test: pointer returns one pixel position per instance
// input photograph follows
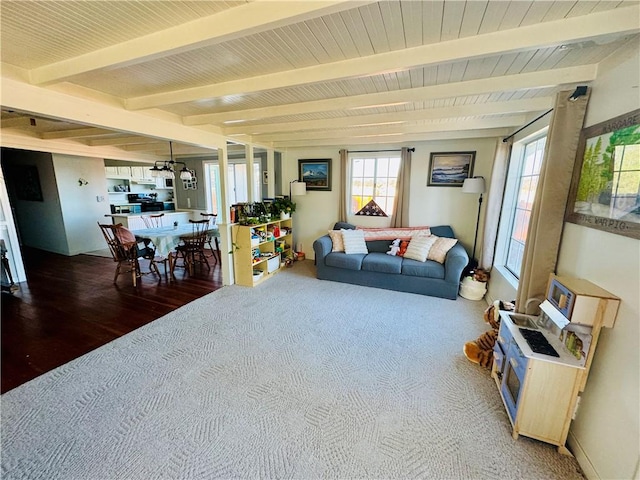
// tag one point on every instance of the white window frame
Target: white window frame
(509, 204)
(376, 156)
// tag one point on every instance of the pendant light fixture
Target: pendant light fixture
(167, 168)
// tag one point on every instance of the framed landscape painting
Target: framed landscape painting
(449, 169)
(605, 188)
(315, 173)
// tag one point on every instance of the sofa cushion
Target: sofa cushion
(337, 245)
(438, 251)
(381, 262)
(354, 242)
(428, 269)
(419, 247)
(342, 260)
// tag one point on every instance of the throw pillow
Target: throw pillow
(419, 247)
(442, 245)
(354, 242)
(336, 240)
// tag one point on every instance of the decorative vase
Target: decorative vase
(284, 215)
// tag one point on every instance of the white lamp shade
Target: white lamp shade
(298, 188)
(474, 185)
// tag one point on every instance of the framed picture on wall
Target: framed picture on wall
(605, 188)
(315, 173)
(449, 169)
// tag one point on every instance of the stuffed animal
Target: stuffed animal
(403, 247)
(394, 248)
(480, 351)
(481, 275)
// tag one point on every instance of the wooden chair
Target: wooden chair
(215, 253)
(153, 221)
(125, 253)
(192, 248)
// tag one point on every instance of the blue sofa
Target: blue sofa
(377, 269)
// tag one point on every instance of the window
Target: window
(522, 183)
(374, 177)
(237, 184)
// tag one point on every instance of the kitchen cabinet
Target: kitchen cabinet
(259, 250)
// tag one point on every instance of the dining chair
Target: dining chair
(153, 221)
(215, 253)
(191, 250)
(124, 250)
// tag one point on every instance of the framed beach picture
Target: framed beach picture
(449, 169)
(315, 173)
(605, 189)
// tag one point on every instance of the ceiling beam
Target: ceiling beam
(18, 122)
(46, 102)
(395, 139)
(492, 108)
(569, 30)
(126, 140)
(426, 127)
(532, 80)
(254, 17)
(75, 133)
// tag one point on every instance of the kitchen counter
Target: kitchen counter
(565, 358)
(134, 221)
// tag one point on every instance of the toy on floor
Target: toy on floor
(394, 248)
(480, 351)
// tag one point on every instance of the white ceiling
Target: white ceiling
(296, 73)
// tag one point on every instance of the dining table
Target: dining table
(166, 239)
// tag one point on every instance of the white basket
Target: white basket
(472, 290)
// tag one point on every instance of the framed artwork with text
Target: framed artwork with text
(605, 188)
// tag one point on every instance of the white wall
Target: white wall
(605, 436)
(317, 211)
(607, 429)
(79, 204)
(40, 224)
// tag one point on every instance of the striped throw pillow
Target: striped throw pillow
(354, 242)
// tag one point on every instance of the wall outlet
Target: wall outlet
(99, 198)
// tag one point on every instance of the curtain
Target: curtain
(342, 204)
(400, 215)
(495, 197)
(547, 217)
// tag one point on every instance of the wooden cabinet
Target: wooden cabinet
(541, 391)
(260, 250)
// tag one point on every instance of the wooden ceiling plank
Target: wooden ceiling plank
(542, 79)
(495, 108)
(254, 17)
(618, 21)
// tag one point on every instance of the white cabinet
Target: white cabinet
(137, 173)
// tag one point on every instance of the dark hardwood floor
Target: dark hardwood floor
(70, 306)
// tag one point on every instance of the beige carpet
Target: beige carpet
(296, 378)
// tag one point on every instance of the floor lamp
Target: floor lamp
(474, 185)
(297, 188)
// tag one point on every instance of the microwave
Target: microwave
(561, 297)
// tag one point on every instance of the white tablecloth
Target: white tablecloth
(166, 239)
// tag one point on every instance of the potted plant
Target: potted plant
(284, 207)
